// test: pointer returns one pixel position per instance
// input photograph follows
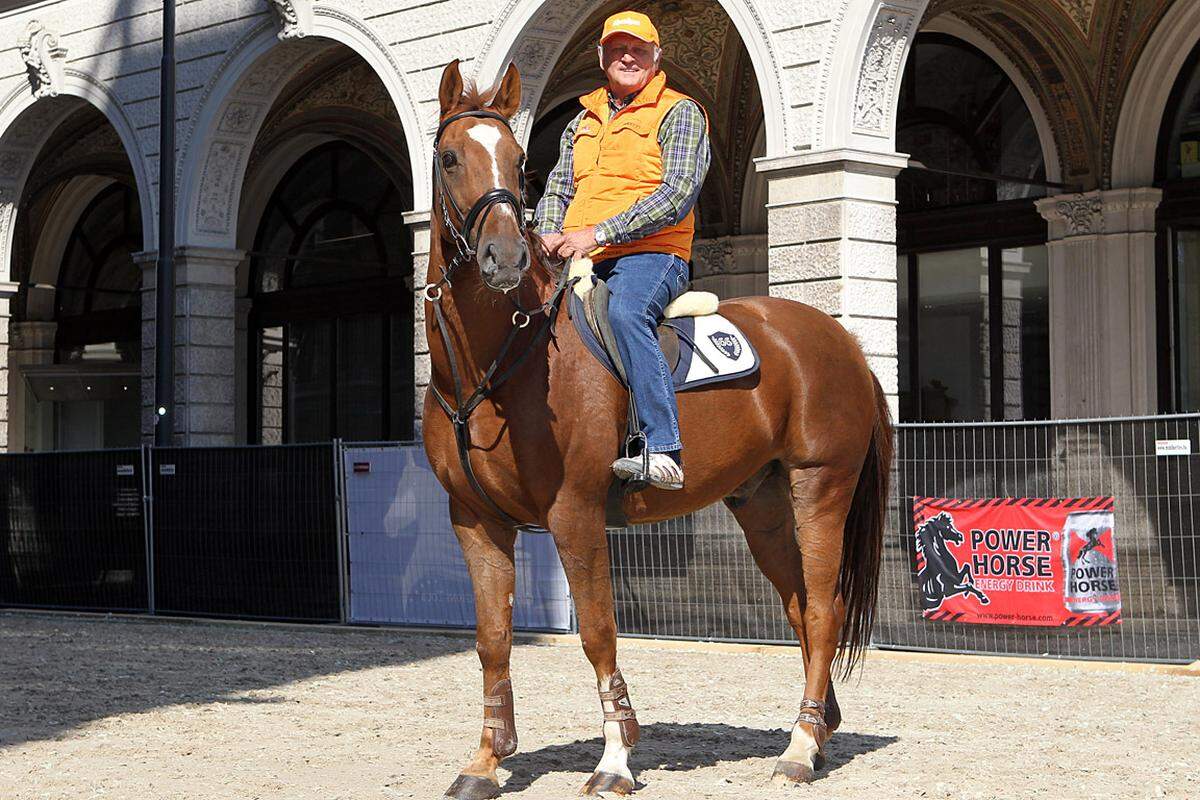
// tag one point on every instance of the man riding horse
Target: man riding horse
(625, 198)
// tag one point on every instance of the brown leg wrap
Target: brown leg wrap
(618, 696)
(498, 714)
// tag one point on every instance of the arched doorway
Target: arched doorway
(76, 348)
(331, 325)
(1177, 172)
(972, 273)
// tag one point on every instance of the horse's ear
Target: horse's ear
(450, 92)
(507, 98)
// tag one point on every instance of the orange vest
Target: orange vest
(618, 161)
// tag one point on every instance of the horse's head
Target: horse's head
(479, 177)
(943, 526)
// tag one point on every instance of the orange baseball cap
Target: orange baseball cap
(633, 23)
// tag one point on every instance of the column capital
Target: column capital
(814, 162)
(1100, 213)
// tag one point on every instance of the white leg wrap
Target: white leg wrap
(802, 749)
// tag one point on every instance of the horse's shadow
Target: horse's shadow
(675, 746)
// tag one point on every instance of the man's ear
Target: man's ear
(507, 98)
(450, 92)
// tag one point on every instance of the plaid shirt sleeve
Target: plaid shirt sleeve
(683, 139)
(560, 185)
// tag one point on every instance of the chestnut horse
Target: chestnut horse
(799, 452)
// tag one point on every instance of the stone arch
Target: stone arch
(959, 29)
(26, 122)
(532, 35)
(1135, 149)
(237, 100)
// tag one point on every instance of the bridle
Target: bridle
(479, 210)
(493, 377)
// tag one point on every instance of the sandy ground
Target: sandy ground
(110, 708)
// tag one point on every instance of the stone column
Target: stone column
(831, 236)
(418, 222)
(241, 360)
(205, 394)
(32, 343)
(1103, 350)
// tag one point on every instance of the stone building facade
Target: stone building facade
(304, 187)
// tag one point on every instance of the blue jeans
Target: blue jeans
(642, 285)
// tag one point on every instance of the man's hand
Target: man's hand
(578, 244)
(550, 243)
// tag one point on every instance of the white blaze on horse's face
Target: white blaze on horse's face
(487, 135)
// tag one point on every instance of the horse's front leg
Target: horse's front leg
(487, 547)
(583, 548)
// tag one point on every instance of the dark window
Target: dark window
(973, 280)
(98, 298)
(332, 321)
(1179, 244)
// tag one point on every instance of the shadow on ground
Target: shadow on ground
(675, 746)
(60, 672)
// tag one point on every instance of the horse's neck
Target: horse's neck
(479, 321)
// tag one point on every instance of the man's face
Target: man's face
(628, 62)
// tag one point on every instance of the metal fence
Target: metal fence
(360, 534)
(1157, 508)
(74, 535)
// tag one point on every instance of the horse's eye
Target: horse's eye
(449, 160)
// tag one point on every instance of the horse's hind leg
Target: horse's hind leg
(794, 524)
(766, 517)
(488, 550)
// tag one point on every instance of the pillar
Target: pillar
(418, 222)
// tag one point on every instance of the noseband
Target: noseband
(478, 212)
(494, 376)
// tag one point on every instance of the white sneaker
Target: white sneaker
(663, 473)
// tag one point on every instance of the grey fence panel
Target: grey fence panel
(693, 578)
(71, 531)
(405, 563)
(1157, 510)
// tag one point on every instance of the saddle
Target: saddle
(700, 347)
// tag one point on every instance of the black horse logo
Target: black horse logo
(939, 574)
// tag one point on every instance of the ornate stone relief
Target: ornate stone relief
(873, 106)
(1083, 216)
(43, 57)
(295, 17)
(1080, 12)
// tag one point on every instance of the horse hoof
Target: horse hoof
(607, 782)
(819, 762)
(472, 787)
(791, 772)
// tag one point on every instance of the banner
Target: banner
(1017, 561)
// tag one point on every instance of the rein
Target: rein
(493, 377)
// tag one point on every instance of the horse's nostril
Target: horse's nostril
(489, 252)
(523, 259)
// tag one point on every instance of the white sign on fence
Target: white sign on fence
(405, 563)
(1172, 447)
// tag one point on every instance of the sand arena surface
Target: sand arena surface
(116, 708)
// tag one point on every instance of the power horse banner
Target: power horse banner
(1017, 561)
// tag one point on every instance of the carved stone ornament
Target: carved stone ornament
(1083, 216)
(295, 16)
(43, 57)
(880, 71)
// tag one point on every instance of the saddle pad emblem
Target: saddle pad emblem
(728, 344)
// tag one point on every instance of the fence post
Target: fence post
(339, 510)
(148, 522)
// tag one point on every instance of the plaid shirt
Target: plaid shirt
(683, 140)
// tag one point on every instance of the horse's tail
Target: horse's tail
(862, 548)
